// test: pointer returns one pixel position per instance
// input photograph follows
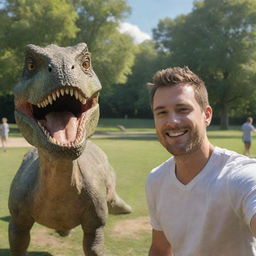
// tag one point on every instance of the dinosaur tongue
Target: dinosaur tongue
(62, 126)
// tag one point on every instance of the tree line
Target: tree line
(216, 40)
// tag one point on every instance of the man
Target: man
(247, 128)
(202, 201)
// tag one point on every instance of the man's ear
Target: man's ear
(208, 115)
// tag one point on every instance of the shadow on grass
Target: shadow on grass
(5, 218)
(6, 252)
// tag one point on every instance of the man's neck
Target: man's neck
(188, 166)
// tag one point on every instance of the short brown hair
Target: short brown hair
(182, 76)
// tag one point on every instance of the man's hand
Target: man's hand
(160, 245)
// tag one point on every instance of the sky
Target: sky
(146, 14)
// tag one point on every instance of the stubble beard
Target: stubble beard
(193, 143)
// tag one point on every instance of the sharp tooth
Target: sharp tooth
(76, 94)
(71, 92)
(62, 92)
(58, 93)
(80, 98)
(45, 131)
(84, 101)
(54, 96)
(38, 105)
(50, 99)
(46, 102)
(67, 90)
(54, 140)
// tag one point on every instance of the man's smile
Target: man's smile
(175, 134)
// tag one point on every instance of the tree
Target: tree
(28, 21)
(132, 98)
(65, 22)
(112, 52)
(217, 41)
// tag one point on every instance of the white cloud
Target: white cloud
(134, 31)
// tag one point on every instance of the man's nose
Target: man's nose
(173, 118)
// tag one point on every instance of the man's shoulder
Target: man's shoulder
(160, 172)
(232, 156)
(235, 165)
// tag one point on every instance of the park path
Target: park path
(21, 142)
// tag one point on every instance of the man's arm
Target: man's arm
(160, 245)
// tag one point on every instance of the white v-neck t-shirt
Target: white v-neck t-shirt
(210, 216)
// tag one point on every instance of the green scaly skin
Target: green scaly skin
(66, 180)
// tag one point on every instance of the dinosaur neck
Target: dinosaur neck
(56, 175)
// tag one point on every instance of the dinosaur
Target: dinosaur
(65, 180)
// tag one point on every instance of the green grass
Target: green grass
(132, 159)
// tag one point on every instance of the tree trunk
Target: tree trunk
(224, 119)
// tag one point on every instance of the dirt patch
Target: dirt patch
(135, 227)
(17, 142)
(46, 237)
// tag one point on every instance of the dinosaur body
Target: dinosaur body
(66, 180)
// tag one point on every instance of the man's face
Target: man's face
(180, 122)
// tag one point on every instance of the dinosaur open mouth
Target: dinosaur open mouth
(61, 114)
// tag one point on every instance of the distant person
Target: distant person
(202, 200)
(4, 129)
(247, 128)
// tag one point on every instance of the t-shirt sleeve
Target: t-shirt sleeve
(151, 202)
(242, 191)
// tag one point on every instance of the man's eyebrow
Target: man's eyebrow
(158, 108)
(182, 105)
(176, 105)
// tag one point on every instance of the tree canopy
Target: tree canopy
(217, 41)
(65, 22)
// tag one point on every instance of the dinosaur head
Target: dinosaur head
(56, 100)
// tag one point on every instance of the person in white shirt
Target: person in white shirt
(247, 128)
(202, 200)
(4, 132)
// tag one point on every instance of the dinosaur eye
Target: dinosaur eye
(86, 64)
(31, 66)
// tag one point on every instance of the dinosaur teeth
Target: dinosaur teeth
(51, 98)
(76, 94)
(54, 96)
(46, 102)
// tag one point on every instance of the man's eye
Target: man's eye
(161, 113)
(182, 110)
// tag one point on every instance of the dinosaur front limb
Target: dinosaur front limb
(93, 242)
(19, 238)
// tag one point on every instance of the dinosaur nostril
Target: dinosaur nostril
(50, 69)
(73, 67)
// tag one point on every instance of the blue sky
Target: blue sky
(146, 14)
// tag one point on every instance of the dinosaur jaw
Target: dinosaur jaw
(61, 115)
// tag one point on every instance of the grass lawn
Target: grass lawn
(129, 234)
(132, 159)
